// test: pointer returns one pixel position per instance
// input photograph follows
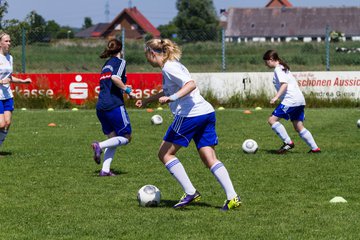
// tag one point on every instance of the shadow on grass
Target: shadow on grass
(171, 203)
(2, 154)
(117, 172)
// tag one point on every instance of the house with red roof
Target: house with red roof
(278, 3)
(131, 20)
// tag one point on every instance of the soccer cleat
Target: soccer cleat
(286, 147)
(317, 150)
(231, 204)
(187, 198)
(97, 152)
(106, 174)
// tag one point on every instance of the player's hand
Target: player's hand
(28, 80)
(6, 81)
(132, 95)
(273, 100)
(139, 103)
(164, 99)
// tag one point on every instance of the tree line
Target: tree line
(196, 20)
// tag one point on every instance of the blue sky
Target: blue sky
(72, 12)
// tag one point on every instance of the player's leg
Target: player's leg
(116, 125)
(179, 134)
(6, 108)
(279, 129)
(297, 117)
(166, 154)
(206, 139)
(306, 135)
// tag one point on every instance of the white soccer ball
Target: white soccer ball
(149, 196)
(156, 119)
(358, 123)
(250, 146)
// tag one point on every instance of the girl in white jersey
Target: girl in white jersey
(291, 107)
(194, 118)
(6, 95)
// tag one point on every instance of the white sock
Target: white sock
(114, 142)
(280, 130)
(308, 138)
(176, 169)
(108, 157)
(221, 174)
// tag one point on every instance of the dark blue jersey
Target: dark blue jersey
(110, 95)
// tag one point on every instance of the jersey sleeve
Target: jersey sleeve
(178, 74)
(120, 70)
(281, 75)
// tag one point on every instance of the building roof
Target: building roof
(292, 22)
(93, 31)
(278, 3)
(140, 19)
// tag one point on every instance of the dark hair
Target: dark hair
(273, 55)
(114, 46)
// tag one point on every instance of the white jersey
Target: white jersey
(6, 68)
(175, 76)
(293, 96)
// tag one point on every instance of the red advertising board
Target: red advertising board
(81, 87)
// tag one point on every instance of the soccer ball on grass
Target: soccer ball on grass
(149, 196)
(156, 119)
(358, 123)
(250, 146)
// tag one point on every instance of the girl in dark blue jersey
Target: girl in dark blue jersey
(110, 108)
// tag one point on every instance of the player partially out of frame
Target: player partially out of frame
(110, 108)
(6, 77)
(291, 107)
(194, 118)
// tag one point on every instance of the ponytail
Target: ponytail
(114, 46)
(273, 55)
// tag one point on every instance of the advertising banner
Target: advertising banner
(81, 87)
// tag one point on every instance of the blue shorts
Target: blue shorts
(6, 105)
(115, 120)
(292, 113)
(200, 128)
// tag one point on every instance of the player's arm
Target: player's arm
(185, 90)
(281, 91)
(119, 83)
(142, 103)
(16, 80)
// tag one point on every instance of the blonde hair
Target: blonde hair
(168, 48)
(2, 34)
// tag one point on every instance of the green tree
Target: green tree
(87, 23)
(168, 30)
(196, 20)
(37, 24)
(52, 29)
(14, 28)
(3, 10)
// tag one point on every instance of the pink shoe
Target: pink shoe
(97, 152)
(106, 174)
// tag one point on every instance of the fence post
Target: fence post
(327, 43)
(123, 42)
(223, 48)
(23, 62)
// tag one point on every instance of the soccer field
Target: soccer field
(50, 187)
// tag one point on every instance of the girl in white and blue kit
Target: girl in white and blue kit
(194, 118)
(6, 77)
(291, 107)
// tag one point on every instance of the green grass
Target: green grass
(50, 189)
